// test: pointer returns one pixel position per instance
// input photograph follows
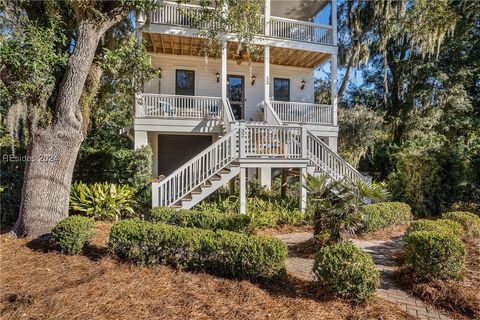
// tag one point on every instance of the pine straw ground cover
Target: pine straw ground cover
(37, 283)
(461, 298)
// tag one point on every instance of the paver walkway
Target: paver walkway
(383, 253)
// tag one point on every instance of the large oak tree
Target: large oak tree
(52, 56)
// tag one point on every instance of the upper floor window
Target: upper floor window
(281, 89)
(185, 82)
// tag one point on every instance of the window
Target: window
(281, 89)
(185, 82)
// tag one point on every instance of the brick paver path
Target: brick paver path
(383, 253)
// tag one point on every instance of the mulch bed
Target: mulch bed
(39, 283)
(460, 298)
(383, 234)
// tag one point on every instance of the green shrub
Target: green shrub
(346, 270)
(472, 207)
(220, 252)
(102, 201)
(71, 234)
(434, 254)
(382, 215)
(437, 225)
(200, 219)
(469, 221)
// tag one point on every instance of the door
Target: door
(236, 95)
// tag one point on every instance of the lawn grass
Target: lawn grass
(38, 283)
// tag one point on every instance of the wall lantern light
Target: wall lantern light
(218, 77)
(160, 73)
(254, 78)
(302, 84)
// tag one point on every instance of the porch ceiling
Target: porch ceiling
(191, 46)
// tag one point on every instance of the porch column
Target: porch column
(243, 190)
(141, 139)
(303, 190)
(265, 177)
(333, 69)
(266, 58)
(333, 143)
(223, 73)
(334, 21)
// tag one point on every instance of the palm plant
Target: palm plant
(336, 205)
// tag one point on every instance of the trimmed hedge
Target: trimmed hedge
(220, 252)
(437, 225)
(434, 254)
(469, 221)
(385, 214)
(200, 219)
(346, 270)
(71, 234)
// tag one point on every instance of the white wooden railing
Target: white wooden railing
(176, 106)
(247, 141)
(198, 170)
(298, 112)
(330, 162)
(270, 141)
(300, 30)
(187, 15)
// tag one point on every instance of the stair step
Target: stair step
(225, 171)
(197, 191)
(215, 177)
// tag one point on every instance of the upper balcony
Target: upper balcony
(291, 21)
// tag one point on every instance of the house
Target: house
(210, 120)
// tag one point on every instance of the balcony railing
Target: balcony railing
(298, 112)
(175, 106)
(185, 15)
(300, 31)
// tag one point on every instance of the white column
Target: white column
(333, 143)
(303, 190)
(333, 71)
(141, 139)
(334, 21)
(243, 190)
(223, 72)
(153, 140)
(266, 74)
(266, 177)
(155, 195)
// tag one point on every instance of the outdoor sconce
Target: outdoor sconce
(218, 77)
(302, 84)
(253, 80)
(159, 73)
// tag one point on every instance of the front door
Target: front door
(236, 95)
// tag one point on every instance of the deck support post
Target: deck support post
(155, 195)
(265, 177)
(333, 72)
(303, 190)
(141, 138)
(243, 190)
(223, 73)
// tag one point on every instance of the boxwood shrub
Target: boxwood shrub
(346, 270)
(434, 254)
(469, 221)
(71, 234)
(441, 225)
(385, 214)
(201, 219)
(220, 252)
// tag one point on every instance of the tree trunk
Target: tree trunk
(48, 175)
(53, 150)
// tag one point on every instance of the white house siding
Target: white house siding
(206, 81)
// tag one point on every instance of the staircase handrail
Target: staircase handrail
(230, 154)
(348, 169)
(227, 116)
(269, 111)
